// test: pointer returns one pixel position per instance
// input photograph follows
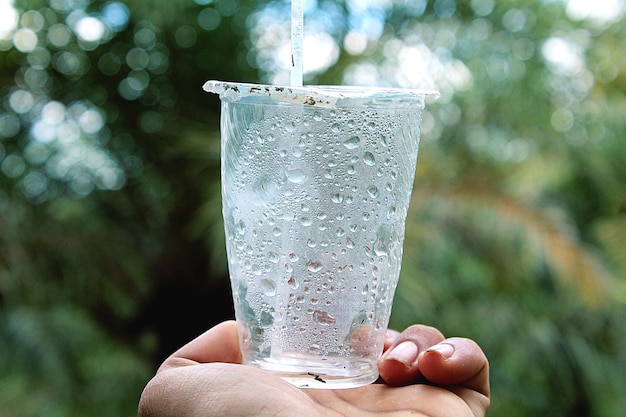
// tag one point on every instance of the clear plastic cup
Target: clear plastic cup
(316, 184)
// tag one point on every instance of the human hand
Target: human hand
(422, 373)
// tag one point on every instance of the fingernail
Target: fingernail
(405, 352)
(444, 349)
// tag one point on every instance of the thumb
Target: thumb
(218, 344)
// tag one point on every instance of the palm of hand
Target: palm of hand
(371, 400)
(205, 378)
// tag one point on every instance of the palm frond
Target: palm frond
(543, 234)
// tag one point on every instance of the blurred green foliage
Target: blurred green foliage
(111, 241)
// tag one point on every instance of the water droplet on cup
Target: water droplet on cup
(268, 287)
(373, 191)
(381, 248)
(293, 283)
(337, 197)
(296, 151)
(241, 228)
(352, 143)
(273, 257)
(296, 176)
(315, 266)
(369, 159)
(323, 318)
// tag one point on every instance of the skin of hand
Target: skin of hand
(421, 374)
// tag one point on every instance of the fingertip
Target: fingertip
(218, 344)
(398, 373)
(399, 364)
(456, 361)
(390, 338)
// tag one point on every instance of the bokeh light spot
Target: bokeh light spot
(145, 38)
(39, 58)
(209, 19)
(355, 42)
(25, 40)
(115, 15)
(158, 62)
(483, 7)
(43, 132)
(110, 178)
(21, 101)
(109, 64)
(91, 121)
(415, 8)
(68, 63)
(514, 20)
(13, 166)
(133, 86)
(599, 10)
(227, 7)
(33, 20)
(82, 184)
(563, 55)
(34, 184)
(562, 120)
(445, 8)
(36, 78)
(185, 36)
(90, 29)
(59, 35)
(137, 58)
(9, 125)
(8, 20)
(53, 112)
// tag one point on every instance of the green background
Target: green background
(111, 242)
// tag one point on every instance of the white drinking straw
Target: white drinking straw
(297, 35)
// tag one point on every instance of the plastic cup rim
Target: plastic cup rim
(315, 94)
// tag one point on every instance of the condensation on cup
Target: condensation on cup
(316, 184)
